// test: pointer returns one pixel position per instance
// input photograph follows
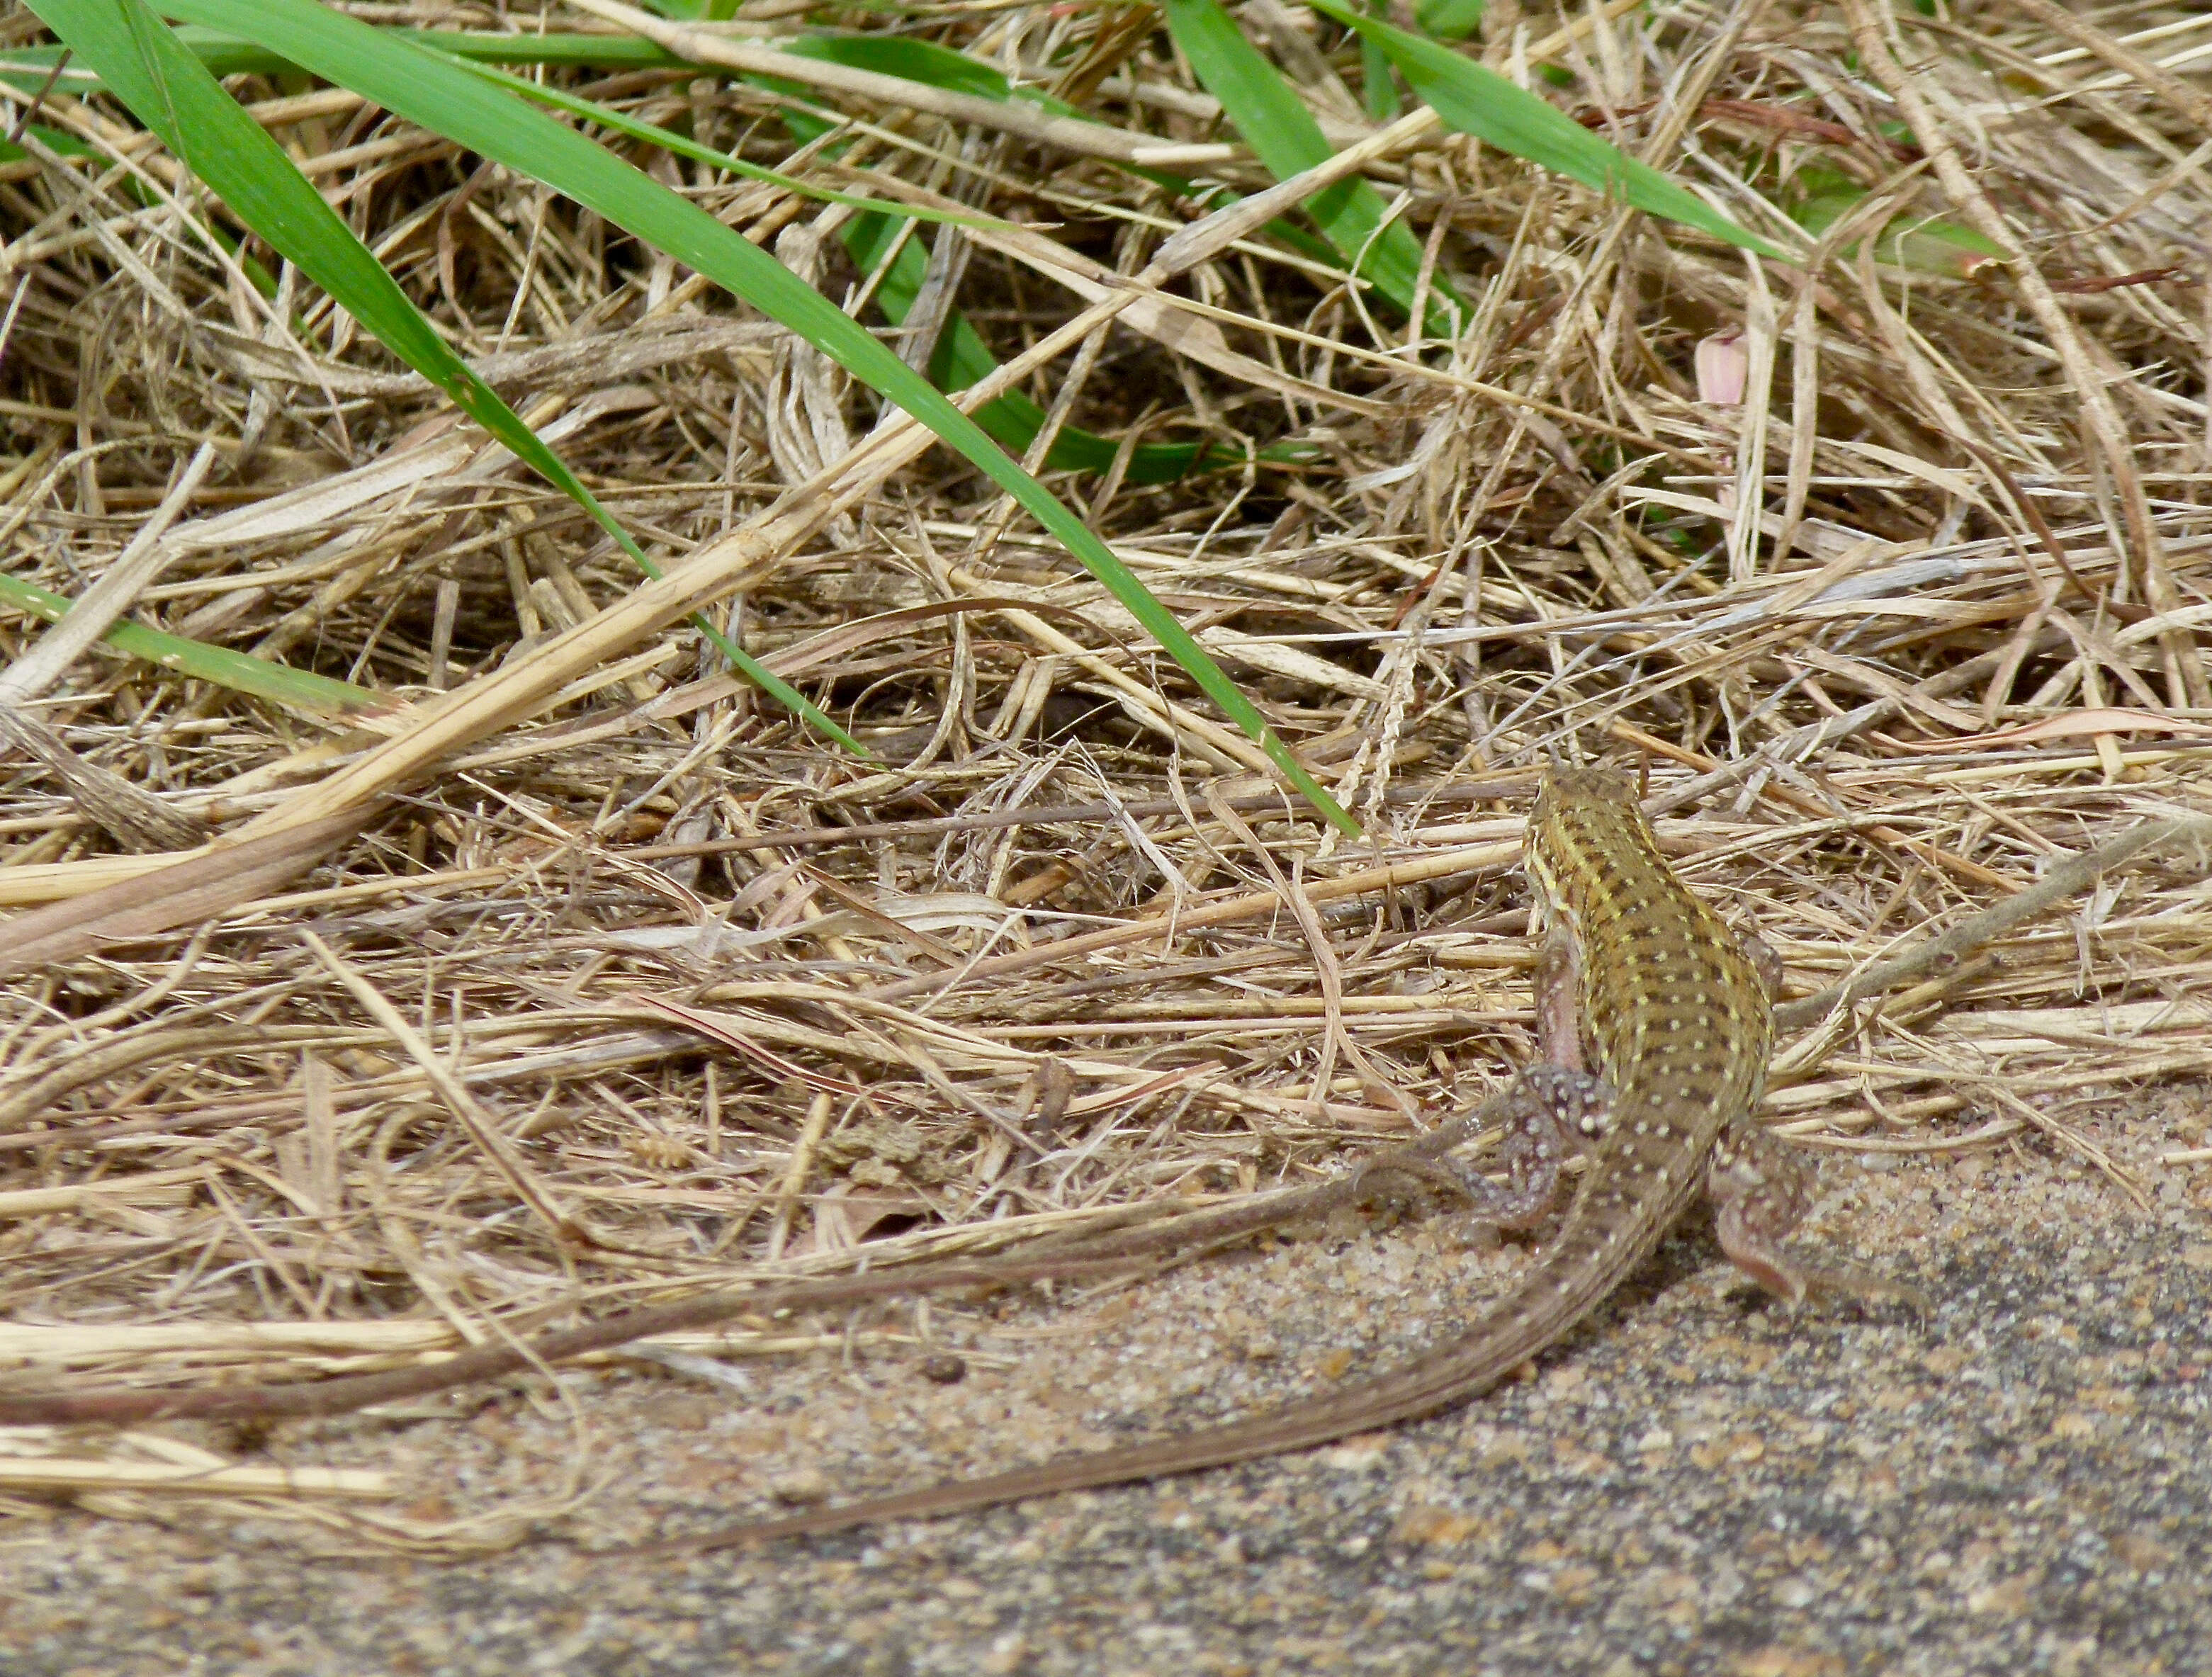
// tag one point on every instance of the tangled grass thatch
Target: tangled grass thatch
(615, 984)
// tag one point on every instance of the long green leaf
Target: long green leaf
(242, 672)
(143, 64)
(1483, 103)
(920, 61)
(1378, 93)
(226, 54)
(443, 98)
(1926, 244)
(668, 140)
(1275, 122)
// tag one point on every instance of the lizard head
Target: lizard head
(1576, 809)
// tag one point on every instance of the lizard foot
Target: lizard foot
(1550, 1111)
(1761, 1191)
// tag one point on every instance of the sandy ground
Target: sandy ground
(1693, 1484)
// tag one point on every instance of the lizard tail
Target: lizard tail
(1563, 1286)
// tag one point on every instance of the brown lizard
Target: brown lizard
(1679, 1021)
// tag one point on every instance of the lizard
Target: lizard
(1679, 1019)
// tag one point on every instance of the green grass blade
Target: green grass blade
(1925, 244)
(297, 690)
(27, 67)
(1378, 93)
(440, 96)
(144, 64)
(1266, 110)
(920, 61)
(1013, 421)
(668, 140)
(607, 52)
(1447, 20)
(1483, 103)
(226, 54)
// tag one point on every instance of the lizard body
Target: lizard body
(1679, 1023)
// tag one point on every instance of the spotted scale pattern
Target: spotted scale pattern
(1677, 1018)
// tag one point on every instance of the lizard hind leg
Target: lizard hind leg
(1551, 1112)
(1760, 1192)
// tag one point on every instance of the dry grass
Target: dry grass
(634, 990)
